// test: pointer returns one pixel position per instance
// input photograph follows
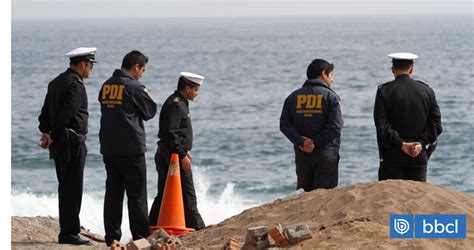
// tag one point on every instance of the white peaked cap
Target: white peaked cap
(82, 51)
(195, 78)
(403, 56)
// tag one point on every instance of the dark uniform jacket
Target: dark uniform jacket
(125, 104)
(313, 111)
(175, 130)
(405, 110)
(65, 105)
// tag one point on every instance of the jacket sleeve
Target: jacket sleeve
(175, 134)
(332, 128)
(43, 118)
(286, 124)
(433, 127)
(75, 94)
(145, 105)
(385, 134)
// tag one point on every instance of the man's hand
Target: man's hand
(412, 149)
(186, 163)
(188, 154)
(45, 141)
(308, 145)
(416, 149)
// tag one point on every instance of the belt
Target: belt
(81, 137)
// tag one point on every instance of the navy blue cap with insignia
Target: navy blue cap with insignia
(82, 54)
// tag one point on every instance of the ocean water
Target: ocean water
(241, 159)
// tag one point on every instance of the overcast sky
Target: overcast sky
(60, 9)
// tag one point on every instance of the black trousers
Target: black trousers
(125, 174)
(69, 155)
(389, 170)
(191, 213)
(316, 170)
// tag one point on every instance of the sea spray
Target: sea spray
(212, 208)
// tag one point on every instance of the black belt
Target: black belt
(81, 137)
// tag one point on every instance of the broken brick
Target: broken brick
(231, 244)
(277, 235)
(141, 244)
(117, 245)
(298, 232)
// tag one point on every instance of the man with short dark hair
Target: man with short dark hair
(63, 123)
(312, 120)
(176, 136)
(408, 122)
(125, 104)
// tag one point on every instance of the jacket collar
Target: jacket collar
(123, 73)
(75, 73)
(315, 82)
(181, 96)
(402, 76)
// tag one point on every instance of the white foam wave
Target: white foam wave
(27, 204)
(212, 209)
(216, 209)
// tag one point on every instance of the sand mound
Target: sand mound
(352, 217)
(355, 217)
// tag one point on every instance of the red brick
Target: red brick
(117, 245)
(277, 236)
(231, 244)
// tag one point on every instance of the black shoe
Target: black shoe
(74, 240)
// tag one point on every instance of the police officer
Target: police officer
(125, 104)
(312, 120)
(176, 136)
(63, 124)
(408, 122)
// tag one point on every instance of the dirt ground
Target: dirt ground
(355, 217)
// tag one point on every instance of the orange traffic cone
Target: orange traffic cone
(171, 217)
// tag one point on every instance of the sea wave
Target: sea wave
(213, 208)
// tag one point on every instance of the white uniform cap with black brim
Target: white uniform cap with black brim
(82, 54)
(403, 59)
(403, 56)
(193, 78)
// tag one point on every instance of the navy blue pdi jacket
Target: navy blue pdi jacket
(313, 111)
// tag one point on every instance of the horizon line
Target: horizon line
(246, 16)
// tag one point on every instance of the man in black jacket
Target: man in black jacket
(176, 136)
(408, 122)
(125, 104)
(63, 123)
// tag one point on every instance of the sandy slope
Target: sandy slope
(352, 217)
(355, 217)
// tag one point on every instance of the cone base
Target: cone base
(172, 230)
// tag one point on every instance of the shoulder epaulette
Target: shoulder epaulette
(422, 82)
(77, 78)
(383, 85)
(80, 80)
